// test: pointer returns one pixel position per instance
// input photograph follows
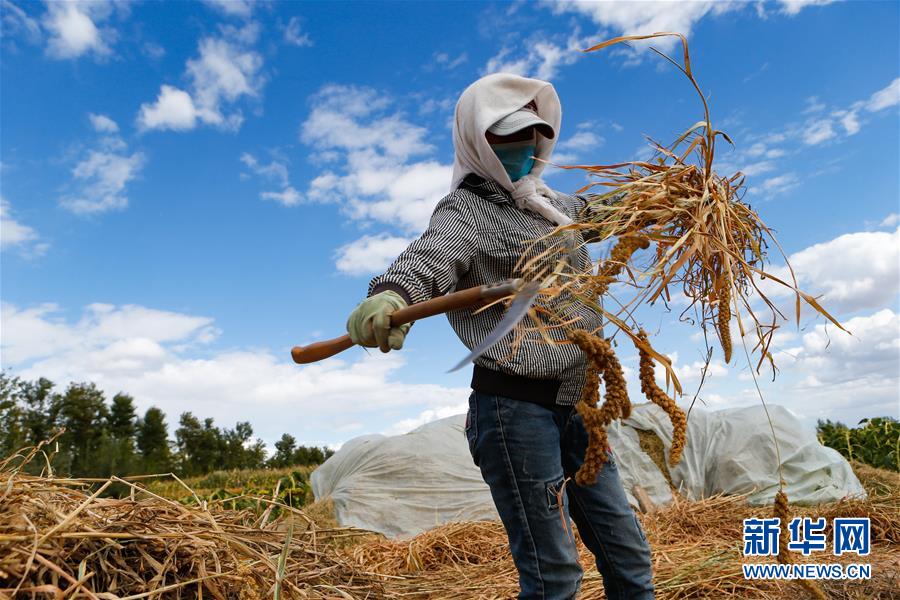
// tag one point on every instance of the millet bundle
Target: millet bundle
(616, 405)
(655, 394)
(724, 320)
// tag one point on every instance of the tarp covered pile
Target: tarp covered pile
(403, 485)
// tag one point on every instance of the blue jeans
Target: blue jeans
(525, 452)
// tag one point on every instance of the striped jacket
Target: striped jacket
(476, 236)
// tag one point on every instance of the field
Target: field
(62, 538)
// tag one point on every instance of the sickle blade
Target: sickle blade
(518, 309)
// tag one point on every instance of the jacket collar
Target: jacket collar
(488, 189)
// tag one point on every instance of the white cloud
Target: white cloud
(369, 254)
(813, 105)
(101, 179)
(639, 18)
(850, 121)
(852, 272)
(15, 235)
(287, 197)
(885, 98)
(757, 168)
(793, 7)
(224, 72)
(582, 140)
(174, 109)
(891, 220)
(846, 377)
(693, 372)
(145, 352)
(373, 177)
(103, 124)
(542, 58)
(570, 150)
(39, 333)
(874, 348)
(778, 184)
(233, 8)
(820, 128)
(401, 195)
(153, 50)
(427, 416)
(16, 20)
(350, 118)
(294, 35)
(277, 172)
(818, 131)
(73, 30)
(448, 62)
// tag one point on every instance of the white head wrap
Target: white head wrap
(484, 103)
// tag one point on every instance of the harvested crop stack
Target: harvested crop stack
(62, 538)
(696, 554)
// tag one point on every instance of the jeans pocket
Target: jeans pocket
(472, 426)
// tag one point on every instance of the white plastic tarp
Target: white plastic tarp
(403, 485)
(731, 451)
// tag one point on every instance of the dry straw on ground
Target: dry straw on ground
(697, 553)
(60, 538)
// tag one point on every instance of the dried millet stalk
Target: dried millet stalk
(780, 510)
(661, 399)
(724, 298)
(625, 246)
(601, 359)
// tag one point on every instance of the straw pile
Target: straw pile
(61, 538)
(696, 554)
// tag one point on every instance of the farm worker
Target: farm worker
(522, 429)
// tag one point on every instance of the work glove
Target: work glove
(370, 323)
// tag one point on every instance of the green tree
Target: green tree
(83, 412)
(153, 442)
(311, 455)
(199, 445)
(12, 432)
(122, 427)
(40, 410)
(255, 455)
(234, 447)
(284, 452)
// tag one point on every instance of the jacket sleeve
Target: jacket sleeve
(435, 261)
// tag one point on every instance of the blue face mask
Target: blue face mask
(516, 157)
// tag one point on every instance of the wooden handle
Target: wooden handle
(303, 355)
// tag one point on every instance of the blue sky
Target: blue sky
(191, 188)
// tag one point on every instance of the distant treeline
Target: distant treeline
(108, 438)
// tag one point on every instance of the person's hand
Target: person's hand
(370, 323)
